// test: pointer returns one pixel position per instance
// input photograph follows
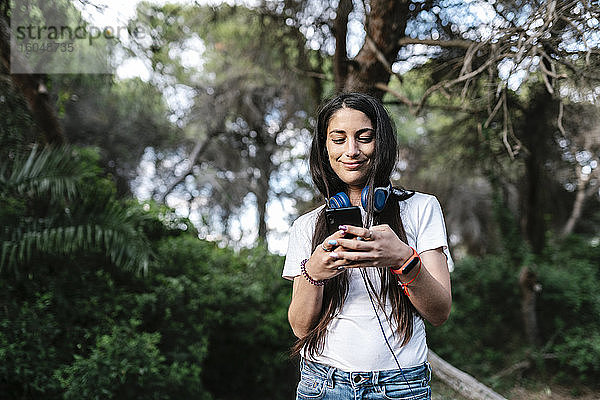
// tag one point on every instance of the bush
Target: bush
(123, 365)
(484, 323)
(484, 333)
(569, 307)
(241, 301)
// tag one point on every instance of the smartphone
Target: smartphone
(342, 216)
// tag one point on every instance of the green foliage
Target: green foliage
(46, 172)
(241, 301)
(121, 118)
(485, 320)
(17, 125)
(64, 214)
(485, 334)
(123, 365)
(28, 333)
(76, 321)
(569, 305)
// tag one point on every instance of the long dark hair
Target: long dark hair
(328, 184)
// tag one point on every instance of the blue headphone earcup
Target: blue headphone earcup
(379, 199)
(380, 196)
(339, 200)
(364, 197)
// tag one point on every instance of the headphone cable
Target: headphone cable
(363, 274)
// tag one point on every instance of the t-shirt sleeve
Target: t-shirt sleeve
(299, 247)
(431, 231)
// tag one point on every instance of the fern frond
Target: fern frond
(125, 247)
(52, 172)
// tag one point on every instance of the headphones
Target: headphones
(380, 196)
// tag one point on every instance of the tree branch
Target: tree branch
(199, 148)
(463, 383)
(462, 44)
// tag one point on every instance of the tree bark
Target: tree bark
(33, 88)
(385, 26)
(340, 57)
(529, 288)
(461, 382)
(536, 198)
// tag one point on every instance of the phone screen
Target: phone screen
(342, 216)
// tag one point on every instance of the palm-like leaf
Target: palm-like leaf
(50, 171)
(91, 224)
(113, 233)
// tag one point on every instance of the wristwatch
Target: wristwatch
(408, 265)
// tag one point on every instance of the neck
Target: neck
(354, 193)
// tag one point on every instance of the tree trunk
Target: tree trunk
(529, 288)
(583, 194)
(33, 88)
(461, 382)
(266, 146)
(537, 199)
(261, 204)
(340, 57)
(386, 25)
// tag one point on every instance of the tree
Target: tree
(33, 87)
(246, 104)
(121, 118)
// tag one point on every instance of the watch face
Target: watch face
(413, 263)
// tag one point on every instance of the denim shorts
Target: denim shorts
(318, 381)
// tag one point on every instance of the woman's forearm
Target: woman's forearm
(305, 306)
(430, 292)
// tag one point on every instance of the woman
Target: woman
(360, 295)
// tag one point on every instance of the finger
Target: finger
(329, 245)
(351, 229)
(351, 256)
(336, 235)
(339, 265)
(363, 233)
(354, 266)
(353, 244)
(334, 266)
(380, 228)
(332, 261)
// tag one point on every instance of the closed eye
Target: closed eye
(365, 135)
(366, 138)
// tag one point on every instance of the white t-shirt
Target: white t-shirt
(354, 341)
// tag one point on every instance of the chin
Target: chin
(353, 181)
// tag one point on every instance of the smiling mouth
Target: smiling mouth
(353, 165)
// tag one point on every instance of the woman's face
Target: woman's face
(350, 145)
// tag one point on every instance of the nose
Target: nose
(352, 148)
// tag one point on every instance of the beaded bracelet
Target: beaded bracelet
(308, 278)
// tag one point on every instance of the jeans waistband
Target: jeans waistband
(414, 376)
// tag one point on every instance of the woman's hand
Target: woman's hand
(378, 246)
(321, 265)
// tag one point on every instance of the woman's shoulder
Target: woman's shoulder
(308, 219)
(419, 206)
(420, 199)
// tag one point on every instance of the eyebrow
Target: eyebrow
(359, 131)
